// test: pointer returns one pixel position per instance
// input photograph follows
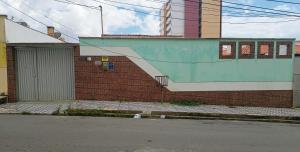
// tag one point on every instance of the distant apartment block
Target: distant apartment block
(191, 18)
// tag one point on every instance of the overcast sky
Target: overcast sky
(81, 21)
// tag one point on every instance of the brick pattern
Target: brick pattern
(11, 72)
(128, 82)
(270, 98)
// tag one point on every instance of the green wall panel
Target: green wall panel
(199, 60)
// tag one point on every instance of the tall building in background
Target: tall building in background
(192, 18)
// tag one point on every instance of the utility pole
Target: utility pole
(101, 21)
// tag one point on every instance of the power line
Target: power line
(285, 2)
(247, 9)
(79, 4)
(224, 11)
(36, 20)
(93, 7)
(148, 6)
(180, 10)
(137, 11)
(55, 21)
(260, 7)
(253, 6)
(95, 46)
(255, 22)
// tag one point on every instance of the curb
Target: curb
(191, 115)
(218, 116)
(172, 115)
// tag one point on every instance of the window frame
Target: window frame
(233, 47)
(252, 50)
(271, 50)
(289, 49)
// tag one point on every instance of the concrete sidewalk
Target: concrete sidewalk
(146, 107)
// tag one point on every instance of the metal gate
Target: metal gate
(45, 74)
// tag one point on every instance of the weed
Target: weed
(83, 112)
(26, 113)
(186, 103)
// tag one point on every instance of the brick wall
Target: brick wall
(11, 73)
(128, 82)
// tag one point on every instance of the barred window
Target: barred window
(227, 50)
(284, 50)
(265, 50)
(246, 50)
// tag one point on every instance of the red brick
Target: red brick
(130, 83)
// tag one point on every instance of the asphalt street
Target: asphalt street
(19, 133)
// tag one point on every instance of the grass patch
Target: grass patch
(186, 103)
(100, 113)
(83, 112)
(26, 113)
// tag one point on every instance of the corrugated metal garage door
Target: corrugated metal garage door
(45, 74)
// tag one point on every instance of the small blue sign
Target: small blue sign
(111, 66)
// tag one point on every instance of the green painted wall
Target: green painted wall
(209, 68)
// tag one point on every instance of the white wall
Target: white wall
(177, 11)
(16, 33)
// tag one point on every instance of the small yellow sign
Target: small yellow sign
(104, 59)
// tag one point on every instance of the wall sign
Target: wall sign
(104, 59)
(105, 66)
(111, 66)
(98, 63)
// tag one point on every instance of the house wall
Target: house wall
(11, 73)
(132, 81)
(3, 64)
(211, 19)
(128, 82)
(176, 20)
(197, 61)
(163, 25)
(191, 16)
